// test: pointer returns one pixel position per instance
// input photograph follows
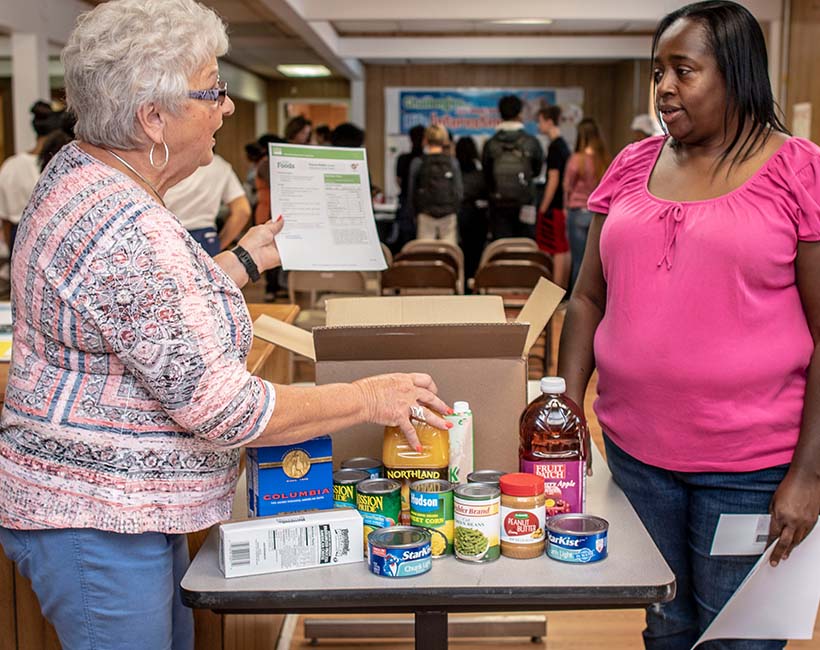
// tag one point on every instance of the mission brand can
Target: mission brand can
(344, 487)
(370, 465)
(577, 538)
(431, 507)
(491, 476)
(400, 551)
(477, 522)
(378, 501)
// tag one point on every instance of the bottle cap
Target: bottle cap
(461, 407)
(520, 484)
(553, 385)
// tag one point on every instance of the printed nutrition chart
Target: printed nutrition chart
(324, 195)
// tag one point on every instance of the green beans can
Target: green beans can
(477, 522)
(431, 507)
(378, 500)
(344, 487)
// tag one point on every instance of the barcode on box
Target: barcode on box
(240, 554)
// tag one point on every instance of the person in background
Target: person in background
(19, 173)
(253, 154)
(581, 176)
(436, 188)
(644, 126)
(472, 214)
(698, 302)
(347, 134)
(128, 395)
(298, 130)
(511, 159)
(323, 132)
(551, 225)
(405, 215)
(196, 201)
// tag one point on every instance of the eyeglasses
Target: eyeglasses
(216, 94)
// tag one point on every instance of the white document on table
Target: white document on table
(323, 193)
(774, 602)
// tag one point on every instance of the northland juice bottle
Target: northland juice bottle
(553, 444)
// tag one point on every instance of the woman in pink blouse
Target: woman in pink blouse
(128, 396)
(582, 174)
(698, 302)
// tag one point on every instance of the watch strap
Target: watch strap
(247, 261)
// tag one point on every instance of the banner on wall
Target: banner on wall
(469, 112)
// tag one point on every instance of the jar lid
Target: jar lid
(553, 385)
(520, 484)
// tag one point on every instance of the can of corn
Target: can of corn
(431, 507)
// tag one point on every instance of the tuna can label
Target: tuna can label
(477, 529)
(434, 511)
(401, 562)
(576, 548)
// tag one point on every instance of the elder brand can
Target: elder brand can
(431, 507)
(477, 522)
(577, 538)
(344, 487)
(400, 551)
(370, 465)
(378, 500)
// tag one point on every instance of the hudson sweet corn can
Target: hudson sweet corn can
(431, 507)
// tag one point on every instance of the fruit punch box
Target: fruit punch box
(288, 478)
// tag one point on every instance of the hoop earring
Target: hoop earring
(151, 156)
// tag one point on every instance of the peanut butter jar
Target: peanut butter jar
(523, 516)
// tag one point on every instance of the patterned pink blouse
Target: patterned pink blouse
(128, 394)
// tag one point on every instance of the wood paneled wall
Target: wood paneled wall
(802, 79)
(608, 93)
(237, 130)
(295, 89)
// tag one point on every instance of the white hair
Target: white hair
(127, 53)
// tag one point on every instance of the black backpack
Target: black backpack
(512, 171)
(435, 192)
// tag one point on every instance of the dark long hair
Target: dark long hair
(466, 154)
(737, 43)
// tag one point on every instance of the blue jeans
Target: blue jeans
(107, 591)
(208, 238)
(578, 220)
(681, 510)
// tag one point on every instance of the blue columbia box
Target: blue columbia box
(290, 477)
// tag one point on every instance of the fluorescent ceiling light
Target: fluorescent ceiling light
(523, 21)
(303, 70)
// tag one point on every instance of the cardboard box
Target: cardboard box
(288, 478)
(298, 541)
(464, 342)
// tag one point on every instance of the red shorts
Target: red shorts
(551, 231)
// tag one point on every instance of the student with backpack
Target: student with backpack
(436, 188)
(511, 159)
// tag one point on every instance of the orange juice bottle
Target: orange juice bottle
(404, 464)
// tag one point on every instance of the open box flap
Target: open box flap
(407, 310)
(541, 304)
(430, 341)
(285, 335)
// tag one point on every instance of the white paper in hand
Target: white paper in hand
(774, 602)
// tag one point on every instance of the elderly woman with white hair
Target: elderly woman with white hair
(128, 396)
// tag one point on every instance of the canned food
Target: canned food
(400, 551)
(378, 500)
(431, 507)
(477, 522)
(370, 465)
(491, 476)
(577, 538)
(344, 487)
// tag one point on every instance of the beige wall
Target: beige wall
(802, 78)
(608, 93)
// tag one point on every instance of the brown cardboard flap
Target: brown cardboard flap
(433, 341)
(541, 304)
(285, 335)
(409, 310)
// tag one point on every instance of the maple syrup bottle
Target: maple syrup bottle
(553, 444)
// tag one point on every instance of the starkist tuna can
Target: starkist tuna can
(577, 538)
(400, 551)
